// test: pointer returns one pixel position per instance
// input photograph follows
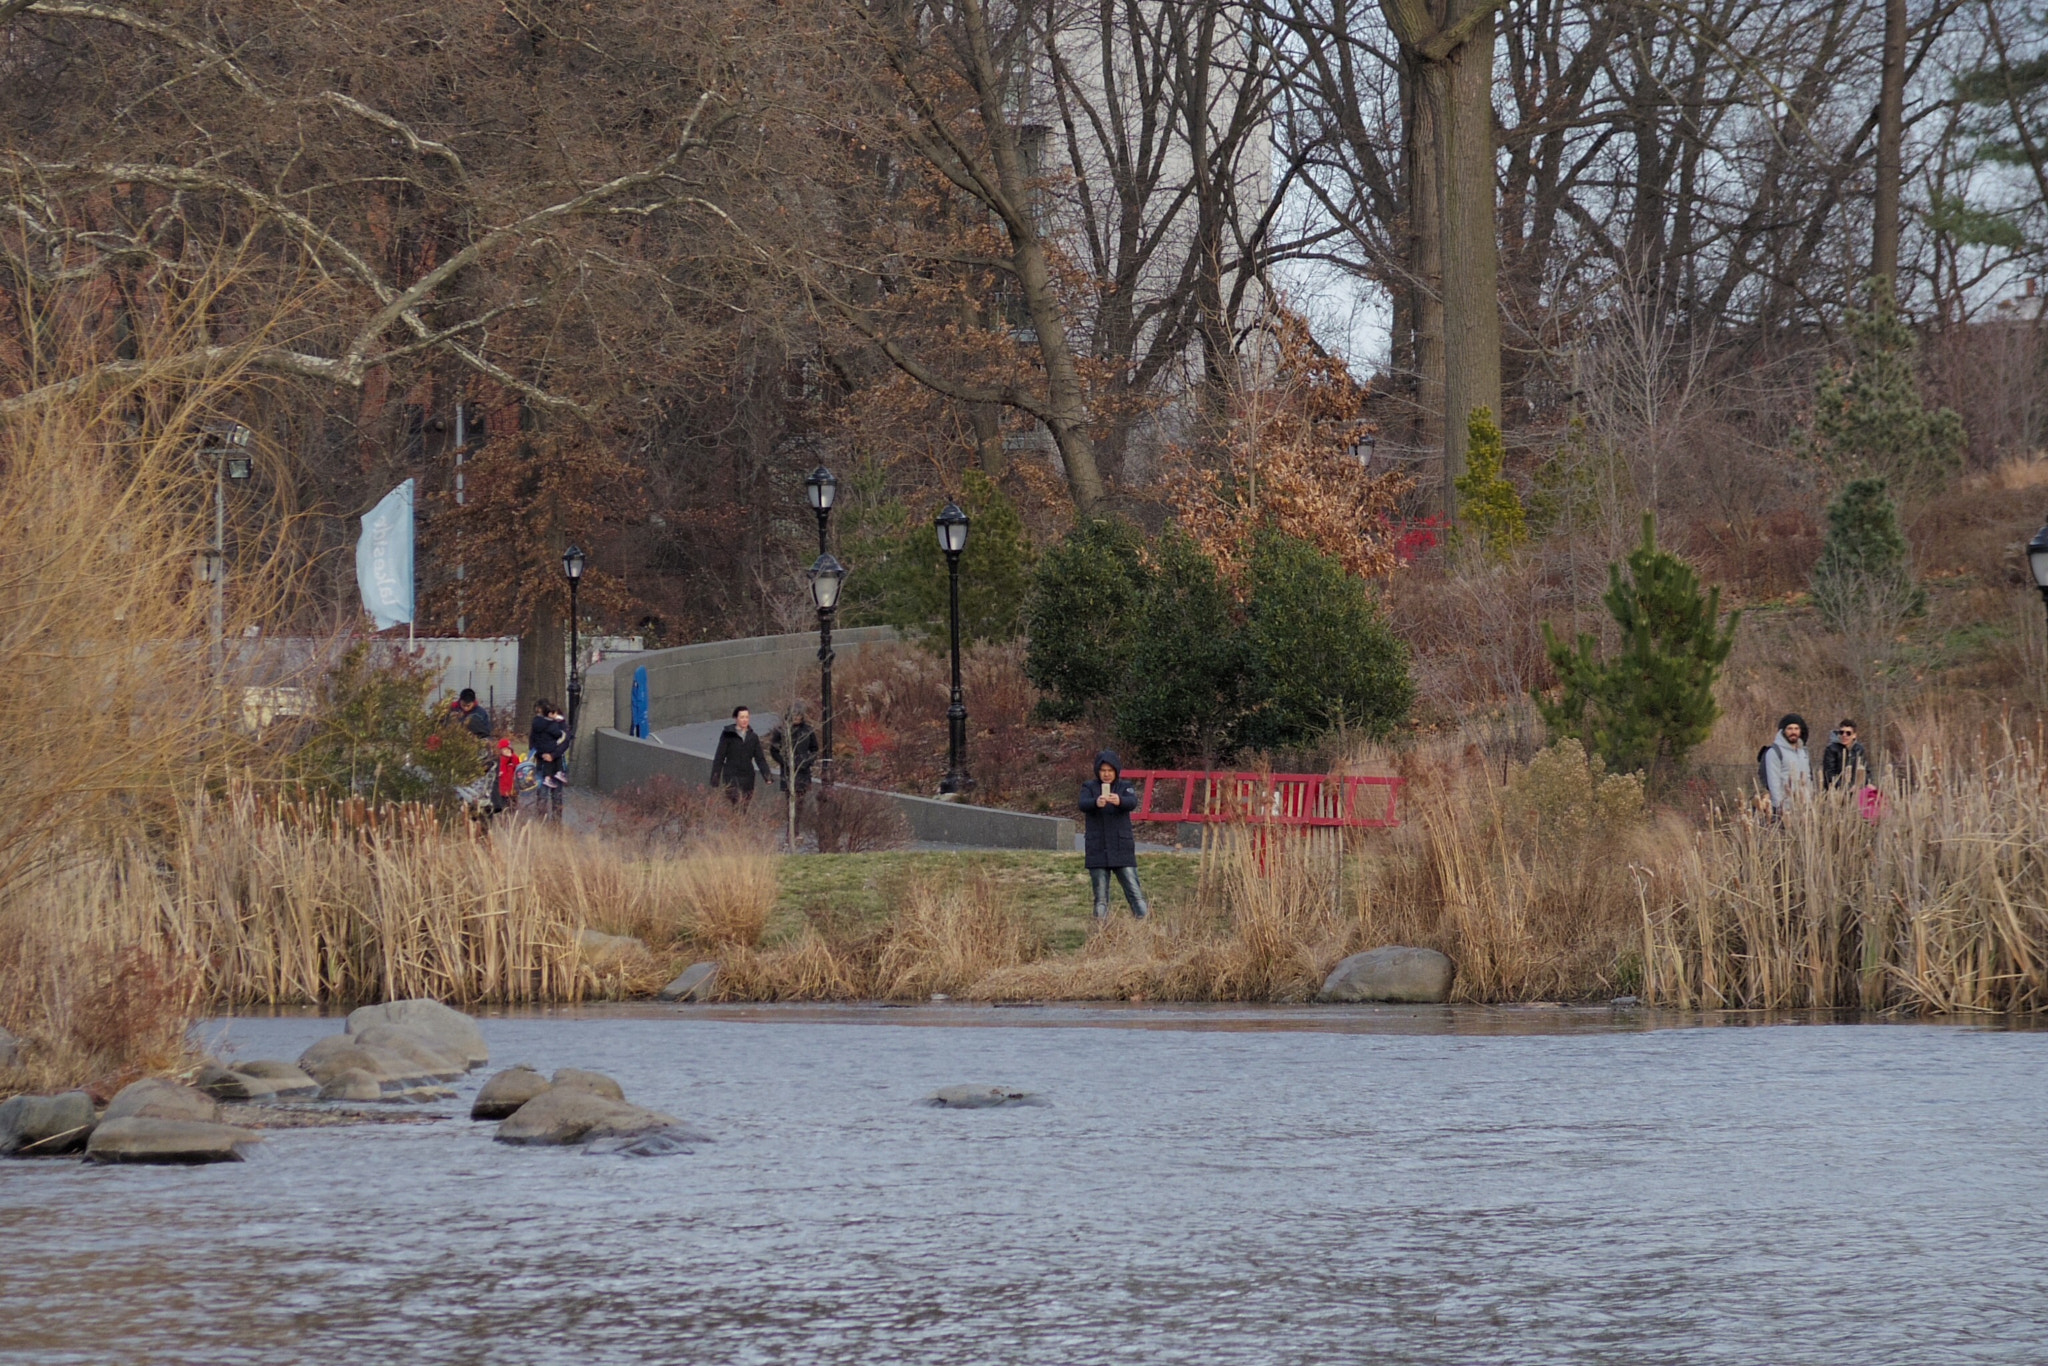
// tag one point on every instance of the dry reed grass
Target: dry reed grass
(1939, 905)
(727, 883)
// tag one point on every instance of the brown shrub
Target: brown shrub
(848, 820)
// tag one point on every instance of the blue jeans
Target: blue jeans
(1132, 893)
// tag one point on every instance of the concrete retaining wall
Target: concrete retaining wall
(621, 761)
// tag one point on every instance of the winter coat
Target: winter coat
(1107, 838)
(803, 741)
(1787, 770)
(508, 774)
(1839, 762)
(477, 721)
(550, 737)
(738, 758)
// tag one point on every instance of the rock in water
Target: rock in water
(431, 1056)
(453, 1031)
(352, 1083)
(506, 1091)
(141, 1138)
(38, 1126)
(1394, 973)
(155, 1098)
(597, 1083)
(696, 983)
(679, 1138)
(285, 1081)
(560, 1116)
(980, 1098)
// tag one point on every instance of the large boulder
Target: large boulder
(597, 1083)
(980, 1098)
(37, 1126)
(284, 1080)
(1393, 973)
(694, 983)
(601, 950)
(431, 1056)
(562, 1116)
(352, 1083)
(337, 1053)
(10, 1050)
(155, 1098)
(506, 1091)
(144, 1138)
(454, 1032)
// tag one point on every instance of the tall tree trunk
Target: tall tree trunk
(1891, 132)
(1453, 58)
(543, 646)
(1426, 255)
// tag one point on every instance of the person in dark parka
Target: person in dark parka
(1112, 849)
(738, 758)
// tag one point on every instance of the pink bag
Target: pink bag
(1870, 804)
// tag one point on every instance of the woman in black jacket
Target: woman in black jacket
(1111, 848)
(547, 743)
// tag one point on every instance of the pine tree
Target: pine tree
(1868, 416)
(1487, 502)
(1863, 575)
(1653, 701)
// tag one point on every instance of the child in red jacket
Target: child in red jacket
(505, 790)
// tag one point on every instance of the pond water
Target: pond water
(1222, 1186)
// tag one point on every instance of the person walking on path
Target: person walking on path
(548, 742)
(739, 757)
(1844, 762)
(1786, 769)
(795, 745)
(1106, 803)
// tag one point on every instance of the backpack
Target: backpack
(1763, 774)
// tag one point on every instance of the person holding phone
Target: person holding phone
(1111, 848)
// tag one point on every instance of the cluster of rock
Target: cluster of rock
(147, 1121)
(401, 1050)
(575, 1106)
(981, 1098)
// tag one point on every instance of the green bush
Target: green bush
(898, 572)
(373, 735)
(1868, 416)
(1321, 653)
(1190, 682)
(1087, 599)
(1863, 576)
(1487, 502)
(1653, 701)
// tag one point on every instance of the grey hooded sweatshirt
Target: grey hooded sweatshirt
(1787, 769)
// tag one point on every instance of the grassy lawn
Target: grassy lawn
(848, 891)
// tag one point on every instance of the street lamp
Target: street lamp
(1362, 447)
(822, 489)
(827, 577)
(2037, 560)
(951, 525)
(227, 445)
(572, 570)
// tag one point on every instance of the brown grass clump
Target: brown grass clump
(1941, 904)
(949, 940)
(728, 883)
(806, 969)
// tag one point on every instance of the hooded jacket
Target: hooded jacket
(1787, 769)
(738, 758)
(1839, 762)
(548, 736)
(1107, 839)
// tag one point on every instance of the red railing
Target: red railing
(1308, 800)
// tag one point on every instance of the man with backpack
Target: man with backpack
(1782, 767)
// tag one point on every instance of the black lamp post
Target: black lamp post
(572, 569)
(1362, 447)
(822, 489)
(952, 528)
(227, 445)
(2037, 560)
(827, 575)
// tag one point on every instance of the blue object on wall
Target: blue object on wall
(640, 703)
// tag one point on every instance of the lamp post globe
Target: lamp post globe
(572, 570)
(821, 490)
(827, 576)
(952, 526)
(2037, 561)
